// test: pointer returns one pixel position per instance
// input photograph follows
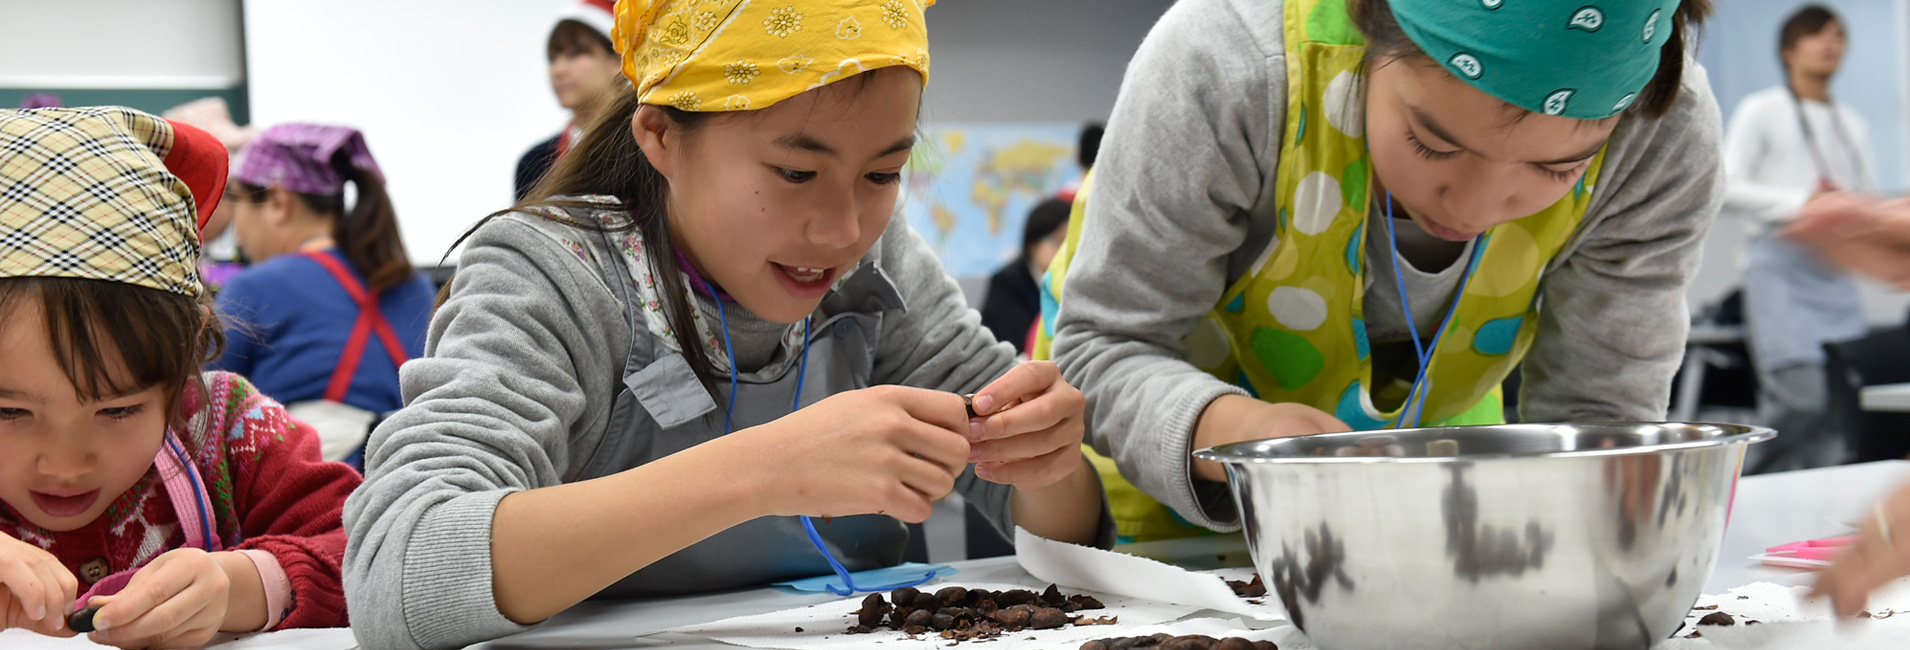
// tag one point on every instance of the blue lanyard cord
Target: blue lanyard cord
(1412, 328)
(802, 373)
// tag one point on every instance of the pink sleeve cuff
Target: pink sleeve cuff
(278, 588)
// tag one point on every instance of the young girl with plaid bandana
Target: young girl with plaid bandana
(174, 504)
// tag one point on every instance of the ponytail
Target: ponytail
(368, 236)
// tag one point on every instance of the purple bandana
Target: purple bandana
(298, 157)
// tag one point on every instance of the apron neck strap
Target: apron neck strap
(190, 501)
(191, 505)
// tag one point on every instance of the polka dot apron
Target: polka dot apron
(1291, 329)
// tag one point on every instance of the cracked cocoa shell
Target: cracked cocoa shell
(874, 609)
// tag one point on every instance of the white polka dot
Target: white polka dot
(1345, 103)
(1299, 309)
(1207, 345)
(1316, 202)
(1366, 405)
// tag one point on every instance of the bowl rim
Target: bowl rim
(1742, 434)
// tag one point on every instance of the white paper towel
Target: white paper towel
(336, 638)
(1786, 620)
(1093, 569)
(823, 626)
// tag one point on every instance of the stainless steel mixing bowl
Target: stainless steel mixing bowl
(1552, 536)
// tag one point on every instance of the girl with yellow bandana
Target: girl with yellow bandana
(609, 400)
(1321, 215)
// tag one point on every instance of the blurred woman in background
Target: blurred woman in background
(585, 72)
(1013, 302)
(331, 305)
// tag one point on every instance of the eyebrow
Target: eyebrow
(1440, 132)
(805, 143)
(24, 396)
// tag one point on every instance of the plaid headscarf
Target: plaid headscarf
(298, 157)
(86, 193)
(735, 55)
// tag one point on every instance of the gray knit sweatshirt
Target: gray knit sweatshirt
(521, 362)
(1182, 205)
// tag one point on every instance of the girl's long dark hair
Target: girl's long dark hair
(607, 161)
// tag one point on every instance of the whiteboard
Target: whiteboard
(449, 95)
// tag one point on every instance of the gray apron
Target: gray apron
(663, 409)
(1794, 303)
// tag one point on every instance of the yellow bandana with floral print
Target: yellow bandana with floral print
(739, 55)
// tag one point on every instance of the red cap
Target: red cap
(600, 15)
(200, 160)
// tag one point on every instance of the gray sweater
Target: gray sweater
(521, 364)
(1183, 204)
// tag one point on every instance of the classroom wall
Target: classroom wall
(1739, 51)
(162, 52)
(449, 94)
(449, 139)
(1032, 60)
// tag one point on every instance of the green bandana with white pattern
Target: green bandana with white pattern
(1573, 58)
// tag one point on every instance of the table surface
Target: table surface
(1886, 397)
(1770, 509)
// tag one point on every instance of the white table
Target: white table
(1786, 507)
(1886, 397)
(1771, 509)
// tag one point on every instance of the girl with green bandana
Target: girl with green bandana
(1322, 215)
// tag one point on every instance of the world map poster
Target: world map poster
(969, 187)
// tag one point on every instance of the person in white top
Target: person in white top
(1784, 147)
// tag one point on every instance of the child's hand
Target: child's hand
(177, 601)
(1029, 432)
(1239, 418)
(888, 450)
(38, 588)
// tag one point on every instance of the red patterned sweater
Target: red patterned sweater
(269, 488)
